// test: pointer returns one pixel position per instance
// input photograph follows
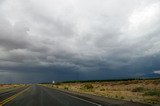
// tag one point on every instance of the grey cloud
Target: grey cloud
(76, 39)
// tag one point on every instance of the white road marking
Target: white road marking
(81, 99)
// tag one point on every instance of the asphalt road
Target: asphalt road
(43, 96)
(7, 94)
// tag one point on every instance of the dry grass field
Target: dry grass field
(6, 87)
(145, 91)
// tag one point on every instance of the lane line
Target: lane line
(82, 99)
(12, 97)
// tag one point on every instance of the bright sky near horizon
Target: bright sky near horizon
(45, 40)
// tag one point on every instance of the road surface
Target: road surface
(9, 93)
(42, 96)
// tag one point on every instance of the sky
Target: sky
(45, 40)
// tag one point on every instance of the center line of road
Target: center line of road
(81, 99)
(12, 97)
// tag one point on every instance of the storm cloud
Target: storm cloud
(78, 39)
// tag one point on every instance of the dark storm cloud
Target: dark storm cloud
(78, 39)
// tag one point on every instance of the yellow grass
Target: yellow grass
(6, 87)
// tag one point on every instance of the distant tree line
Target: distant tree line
(106, 80)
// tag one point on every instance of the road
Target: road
(42, 96)
(7, 94)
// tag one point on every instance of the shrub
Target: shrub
(138, 89)
(66, 88)
(122, 97)
(88, 86)
(153, 93)
(102, 89)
